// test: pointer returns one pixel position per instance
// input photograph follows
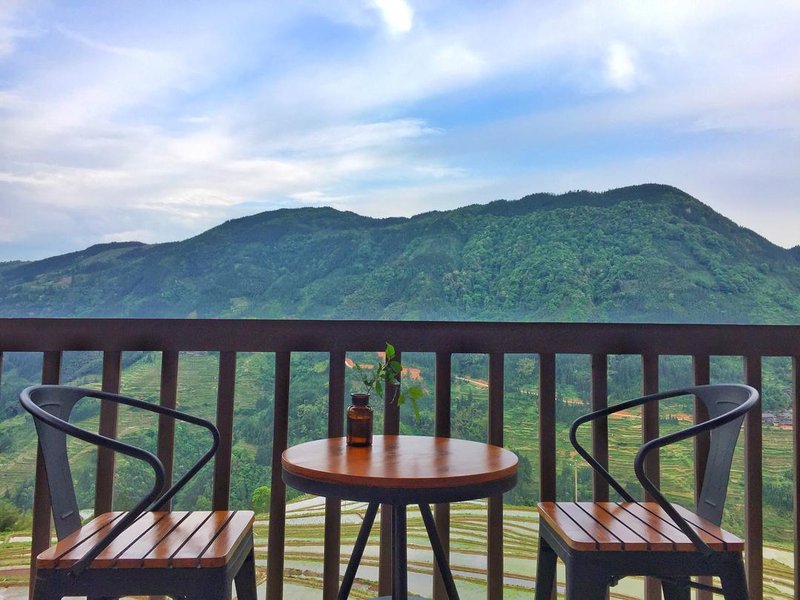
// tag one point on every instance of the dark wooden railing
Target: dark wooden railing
(53, 337)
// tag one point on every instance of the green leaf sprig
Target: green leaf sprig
(387, 373)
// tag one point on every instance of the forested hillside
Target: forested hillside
(643, 253)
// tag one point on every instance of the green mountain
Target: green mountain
(642, 253)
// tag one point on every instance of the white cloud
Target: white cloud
(620, 69)
(94, 44)
(159, 122)
(397, 15)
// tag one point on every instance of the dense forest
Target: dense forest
(644, 253)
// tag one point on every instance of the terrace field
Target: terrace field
(197, 394)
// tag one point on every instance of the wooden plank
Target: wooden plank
(610, 517)
(391, 426)
(701, 366)
(277, 501)
(604, 539)
(654, 539)
(49, 558)
(711, 531)
(252, 335)
(104, 486)
(650, 431)
(494, 521)
(753, 476)
(547, 427)
(716, 537)
(226, 391)
(193, 540)
(651, 517)
(650, 417)
(333, 507)
(575, 536)
(108, 557)
(227, 540)
(442, 428)
(796, 470)
(159, 545)
(599, 398)
(166, 425)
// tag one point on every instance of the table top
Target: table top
(400, 467)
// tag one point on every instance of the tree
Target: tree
(261, 497)
(9, 515)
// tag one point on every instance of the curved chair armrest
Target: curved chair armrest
(604, 412)
(652, 445)
(153, 498)
(660, 442)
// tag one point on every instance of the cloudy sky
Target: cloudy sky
(155, 120)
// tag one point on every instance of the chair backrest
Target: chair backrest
(58, 402)
(719, 400)
(727, 404)
(51, 407)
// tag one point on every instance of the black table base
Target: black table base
(399, 557)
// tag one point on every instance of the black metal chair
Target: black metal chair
(141, 552)
(602, 542)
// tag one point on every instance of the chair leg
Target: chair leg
(733, 580)
(545, 571)
(585, 581)
(677, 590)
(245, 579)
(44, 591)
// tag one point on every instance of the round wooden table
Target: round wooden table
(400, 470)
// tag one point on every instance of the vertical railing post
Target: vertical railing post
(753, 517)
(442, 427)
(494, 549)
(40, 534)
(333, 506)
(276, 546)
(701, 367)
(796, 469)
(547, 427)
(599, 393)
(104, 488)
(650, 416)
(391, 426)
(650, 430)
(226, 390)
(166, 425)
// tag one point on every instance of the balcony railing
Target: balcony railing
(54, 337)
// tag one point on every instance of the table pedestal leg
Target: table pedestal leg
(399, 556)
(399, 577)
(358, 550)
(438, 552)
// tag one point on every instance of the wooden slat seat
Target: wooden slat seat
(156, 540)
(630, 526)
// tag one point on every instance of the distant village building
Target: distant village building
(782, 418)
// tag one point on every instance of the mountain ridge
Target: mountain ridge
(646, 252)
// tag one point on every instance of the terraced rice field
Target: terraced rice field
(303, 574)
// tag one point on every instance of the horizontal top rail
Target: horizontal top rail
(244, 335)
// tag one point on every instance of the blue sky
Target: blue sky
(154, 121)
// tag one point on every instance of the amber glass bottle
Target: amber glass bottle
(359, 421)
